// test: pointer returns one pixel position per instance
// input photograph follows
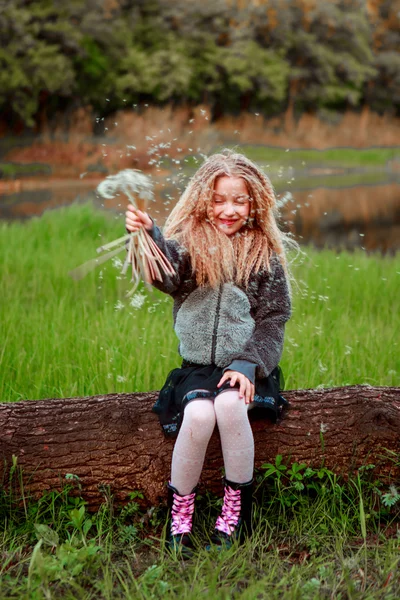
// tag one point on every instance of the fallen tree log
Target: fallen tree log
(115, 440)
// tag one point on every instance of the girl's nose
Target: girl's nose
(229, 209)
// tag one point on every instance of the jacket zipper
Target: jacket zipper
(216, 322)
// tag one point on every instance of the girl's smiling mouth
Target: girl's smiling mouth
(228, 221)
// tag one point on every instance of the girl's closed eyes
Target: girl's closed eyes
(218, 199)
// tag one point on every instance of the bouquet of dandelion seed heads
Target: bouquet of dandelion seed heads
(148, 262)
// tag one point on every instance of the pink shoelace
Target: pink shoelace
(182, 514)
(230, 511)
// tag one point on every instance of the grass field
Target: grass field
(330, 157)
(277, 157)
(64, 338)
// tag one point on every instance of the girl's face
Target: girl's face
(230, 204)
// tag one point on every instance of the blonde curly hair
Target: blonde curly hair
(216, 257)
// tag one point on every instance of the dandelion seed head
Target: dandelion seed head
(127, 181)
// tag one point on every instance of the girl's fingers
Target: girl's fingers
(246, 388)
(138, 216)
(131, 216)
(147, 222)
(132, 226)
(132, 222)
(248, 393)
(221, 381)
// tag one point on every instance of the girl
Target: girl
(231, 302)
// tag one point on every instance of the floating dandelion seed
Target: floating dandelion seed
(284, 199)
(137, 300)
(322, 367)
(117, 263)
(147, 260)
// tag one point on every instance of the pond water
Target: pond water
(335, 210)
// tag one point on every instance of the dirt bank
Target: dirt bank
(136, 138)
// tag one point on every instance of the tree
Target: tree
(116, 440)
(38, 46)
(331, 57)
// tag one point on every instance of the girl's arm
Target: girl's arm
(263, 351)
(178, 258)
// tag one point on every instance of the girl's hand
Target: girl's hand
(246, 387)
(135, 219)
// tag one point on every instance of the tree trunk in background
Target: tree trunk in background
(116, 440)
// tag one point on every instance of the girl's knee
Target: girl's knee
(200, 417)
(228, 406)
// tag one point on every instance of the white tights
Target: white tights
(199, 419)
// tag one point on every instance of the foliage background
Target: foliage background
(233, 56)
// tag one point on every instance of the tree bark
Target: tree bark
(116, 440)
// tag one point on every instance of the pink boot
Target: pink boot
(181, 520)
(234, 523)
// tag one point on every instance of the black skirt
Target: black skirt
(193, 382)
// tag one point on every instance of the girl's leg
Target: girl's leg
(237, 439)
(235, 521)
(191, 445)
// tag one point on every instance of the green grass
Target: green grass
(307, 545)
(277, 157)
(333, 181)
(63, 338)
(331, 157)
(327, 539)
(10, 170)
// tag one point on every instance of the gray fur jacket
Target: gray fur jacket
(235, 328)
